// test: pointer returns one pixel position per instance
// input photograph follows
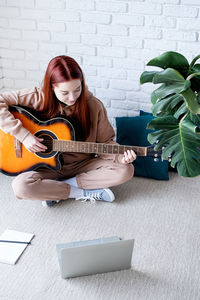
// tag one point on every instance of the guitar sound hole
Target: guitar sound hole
(48, 137)
(47, 142)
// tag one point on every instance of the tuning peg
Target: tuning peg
(169, 160)
(157, 141)
(155, 155)
(155, 159)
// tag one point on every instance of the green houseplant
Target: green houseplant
(176, 107)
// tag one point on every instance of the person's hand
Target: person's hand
(33, 144)
(128, 157)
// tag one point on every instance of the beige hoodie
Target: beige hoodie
(101, 129)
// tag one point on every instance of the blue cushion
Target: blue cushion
(145, 113)
(132, 131)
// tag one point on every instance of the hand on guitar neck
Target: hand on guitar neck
(34, 144)
(128, 157)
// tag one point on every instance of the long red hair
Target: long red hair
(64, 68)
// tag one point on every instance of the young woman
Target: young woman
(83, 176)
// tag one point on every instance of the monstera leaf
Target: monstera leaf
(169, 105)
(169, 75)
(180, 141)
(176, 107)
(191, 101)
(170, 59)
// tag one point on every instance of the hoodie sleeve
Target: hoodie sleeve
(32, 98)
(106, 134)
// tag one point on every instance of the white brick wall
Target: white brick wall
(1, 75)
(112, 41)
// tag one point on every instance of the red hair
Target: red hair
(64, 68)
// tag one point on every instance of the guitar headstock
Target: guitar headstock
(156, 154)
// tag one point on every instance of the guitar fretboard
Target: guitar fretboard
(98, 148)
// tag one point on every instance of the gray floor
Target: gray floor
(163, 217)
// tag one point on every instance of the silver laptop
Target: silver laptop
(94, 256)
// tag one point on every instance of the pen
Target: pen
(15, 242)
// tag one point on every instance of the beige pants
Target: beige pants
(90, 174)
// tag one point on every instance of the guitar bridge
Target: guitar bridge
(18, 148)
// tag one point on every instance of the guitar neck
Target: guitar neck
(97, 148)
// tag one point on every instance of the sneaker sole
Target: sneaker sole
(46, 205)
(110, 193)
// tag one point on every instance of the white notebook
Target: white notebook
(11, 250)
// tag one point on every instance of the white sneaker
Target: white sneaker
(97, 194)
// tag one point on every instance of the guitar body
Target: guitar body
(58, 136)
(57, 128)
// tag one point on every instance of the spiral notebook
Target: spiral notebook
(12, 245)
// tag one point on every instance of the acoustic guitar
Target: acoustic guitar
(59, 136)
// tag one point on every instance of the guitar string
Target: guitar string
(85, 144)
(77, 146)
(91, 143)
